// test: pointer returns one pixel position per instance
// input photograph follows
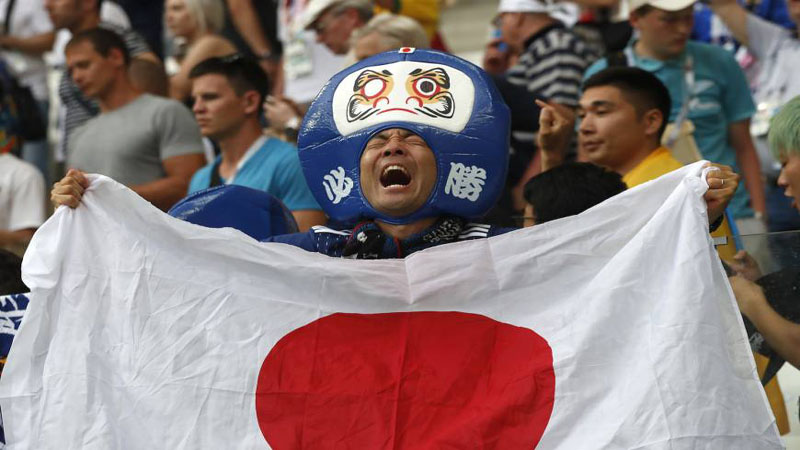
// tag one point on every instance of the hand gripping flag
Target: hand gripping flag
(612, 329)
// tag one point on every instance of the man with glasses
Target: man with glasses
(228, 94)
(335, 20)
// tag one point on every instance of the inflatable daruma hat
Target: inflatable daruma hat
(452, 104)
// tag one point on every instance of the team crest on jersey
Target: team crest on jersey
(432, 94)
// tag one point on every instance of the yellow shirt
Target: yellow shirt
(656, 164)
(660, 162)
(426, 12)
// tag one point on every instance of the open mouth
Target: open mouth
(395, 175)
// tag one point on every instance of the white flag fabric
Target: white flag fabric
(613, 329)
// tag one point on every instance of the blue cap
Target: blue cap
(452, 104)
(253, 212)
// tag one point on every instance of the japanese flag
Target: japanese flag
(611, 329)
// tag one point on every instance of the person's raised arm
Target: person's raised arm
(245, 19)
(735, 18)
(556, 127)
(180, 86)
(747, 159)
(165, 192)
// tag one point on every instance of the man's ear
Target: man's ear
(653, 119)
(251, 101)
(634, 18)
(116, 57)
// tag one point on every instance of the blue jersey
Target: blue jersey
(367, 241)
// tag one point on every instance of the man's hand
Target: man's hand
(279, 111)
(722, 184)
(556, 127)
(69, 190)
(748, 295)
(745, 266)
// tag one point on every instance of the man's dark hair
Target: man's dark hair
(10, 275)
(243, 73)
(639, 87)
(570, 189)
(103, 40)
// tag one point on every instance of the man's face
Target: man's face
(218, 109)
(508, 24)
(794, 10)
(664, 33)
(64, 13)
(611, 132)
(369, 45)
(334, 29)
(789, 178)
(92, 73)
(398, 172)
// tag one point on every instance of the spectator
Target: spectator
(385, 32)
(196, 24)
(707, 88)
(382, 33)
(334, 21)
(379, 169)
(567, 190)
(228, 93)
(623, 114)
(552, 58)
(22, 202)
(26, 36)
(146, 70)
(425, 12)
(148, 143)
(777, 53)
(707, 24)
(22, 189)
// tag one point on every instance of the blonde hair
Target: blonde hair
(208, 14)
(395, 31)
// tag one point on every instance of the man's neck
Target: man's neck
(406, 230)
(234, 146)
(636, 159)
(87, 22)
(120, 94)
(647, 52)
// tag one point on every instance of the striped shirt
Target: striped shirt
(78, 108)
(552, 64)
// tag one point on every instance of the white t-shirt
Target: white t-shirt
(308, 65)
(29, 18)
(22, 194)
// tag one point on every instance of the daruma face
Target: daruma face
(404, 91)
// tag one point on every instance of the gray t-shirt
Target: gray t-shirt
(129, 143)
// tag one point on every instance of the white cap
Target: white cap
(314, 9)
(564, 11)
(529, 6)
(666, 5)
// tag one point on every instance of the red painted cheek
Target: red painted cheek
(421, 380)
(412, 100)
(378, 101)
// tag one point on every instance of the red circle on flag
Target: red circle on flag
(416, 380)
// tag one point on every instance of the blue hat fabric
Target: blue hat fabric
(253, 212)
(452, 104)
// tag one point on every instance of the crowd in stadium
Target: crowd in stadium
(173, 97)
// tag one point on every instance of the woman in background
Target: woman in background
(195, 26)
